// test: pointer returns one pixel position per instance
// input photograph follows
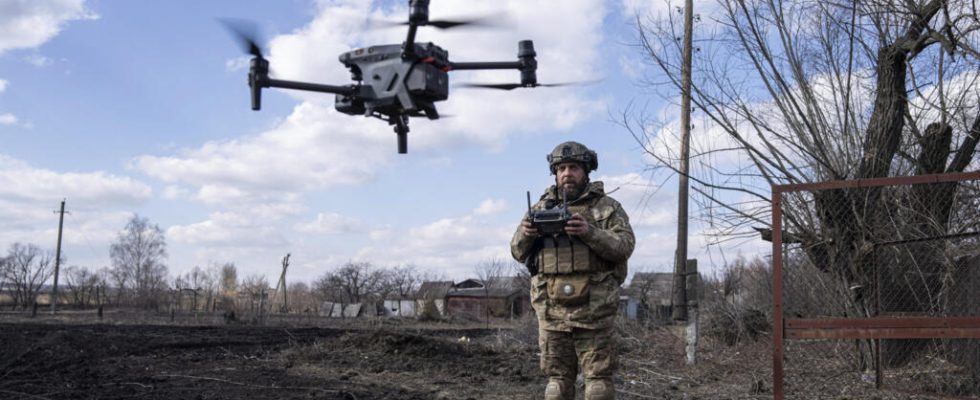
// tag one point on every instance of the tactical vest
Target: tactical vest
(564, 254)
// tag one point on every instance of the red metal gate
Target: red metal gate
(875, 282)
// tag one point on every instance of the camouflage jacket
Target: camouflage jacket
(612, 240)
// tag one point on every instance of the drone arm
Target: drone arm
(526, 63)
(258, 78)
(486, 65)
(264, 82)
(311, 87)
(418, 14)
(408, 48)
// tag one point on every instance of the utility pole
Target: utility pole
(57, 258)
(679, 312)
(282, 285)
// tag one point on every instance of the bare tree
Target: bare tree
(4, 273)
(301, 297)
(490, 272)
(228, 282)
(195, 283)
(137, 258)
(102, 278)
(808, 90)
(256, 288)
(353, 282)
(27, 268)
(404, 280)
(82, 285)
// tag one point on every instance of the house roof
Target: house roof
(431, 290)
(504, 286)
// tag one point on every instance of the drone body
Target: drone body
(391, 85)
(397, 81)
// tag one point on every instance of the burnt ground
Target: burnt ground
(58, 359)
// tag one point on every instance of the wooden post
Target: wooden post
(680, 296)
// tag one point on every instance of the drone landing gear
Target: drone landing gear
(401, 129)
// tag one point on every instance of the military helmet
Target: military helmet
(573, 152)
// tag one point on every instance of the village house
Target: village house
(648, 296)
(504, 297)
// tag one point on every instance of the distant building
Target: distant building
(505, 297)
(650, 295)
(430, 300)
(399, 308)
(353, 310)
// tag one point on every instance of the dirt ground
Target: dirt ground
(334, 359)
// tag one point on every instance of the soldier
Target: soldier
(576, 277)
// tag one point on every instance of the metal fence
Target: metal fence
(876, 284)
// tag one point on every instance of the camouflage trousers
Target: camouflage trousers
(564, 354)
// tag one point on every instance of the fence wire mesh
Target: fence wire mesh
(901, 251)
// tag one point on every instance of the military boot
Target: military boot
(559, 389)
(599, 389)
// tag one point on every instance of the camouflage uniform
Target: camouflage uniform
(580, 332)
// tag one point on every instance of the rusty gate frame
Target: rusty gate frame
(908, 327)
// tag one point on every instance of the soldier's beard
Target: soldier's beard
(573, 190)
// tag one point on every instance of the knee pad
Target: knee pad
(558, 389)
(599, 390)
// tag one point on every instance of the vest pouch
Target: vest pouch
(568, 290)
(565, 255)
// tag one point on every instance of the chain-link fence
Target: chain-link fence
(877, 284)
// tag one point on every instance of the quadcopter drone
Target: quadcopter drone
(395, 82)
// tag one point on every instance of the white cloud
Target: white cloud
(331, 223)
(26, 24)
(317, 147)
(173, 192)
(490, 206)
(314, 148)
(29, 197)
(644, 202)
(631, 66)
(229, 229)
(37, 60)
(8, 119)
(3, 85)
(18, 180)
(451, 245)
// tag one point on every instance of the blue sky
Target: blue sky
(126, 107)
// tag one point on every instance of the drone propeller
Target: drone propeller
(512, 86)
(245, 32)
(486, 21)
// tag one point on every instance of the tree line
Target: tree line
(138, 276)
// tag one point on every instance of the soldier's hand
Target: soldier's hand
(529, 229)
(577, 225)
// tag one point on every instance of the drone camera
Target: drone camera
(349, 105)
